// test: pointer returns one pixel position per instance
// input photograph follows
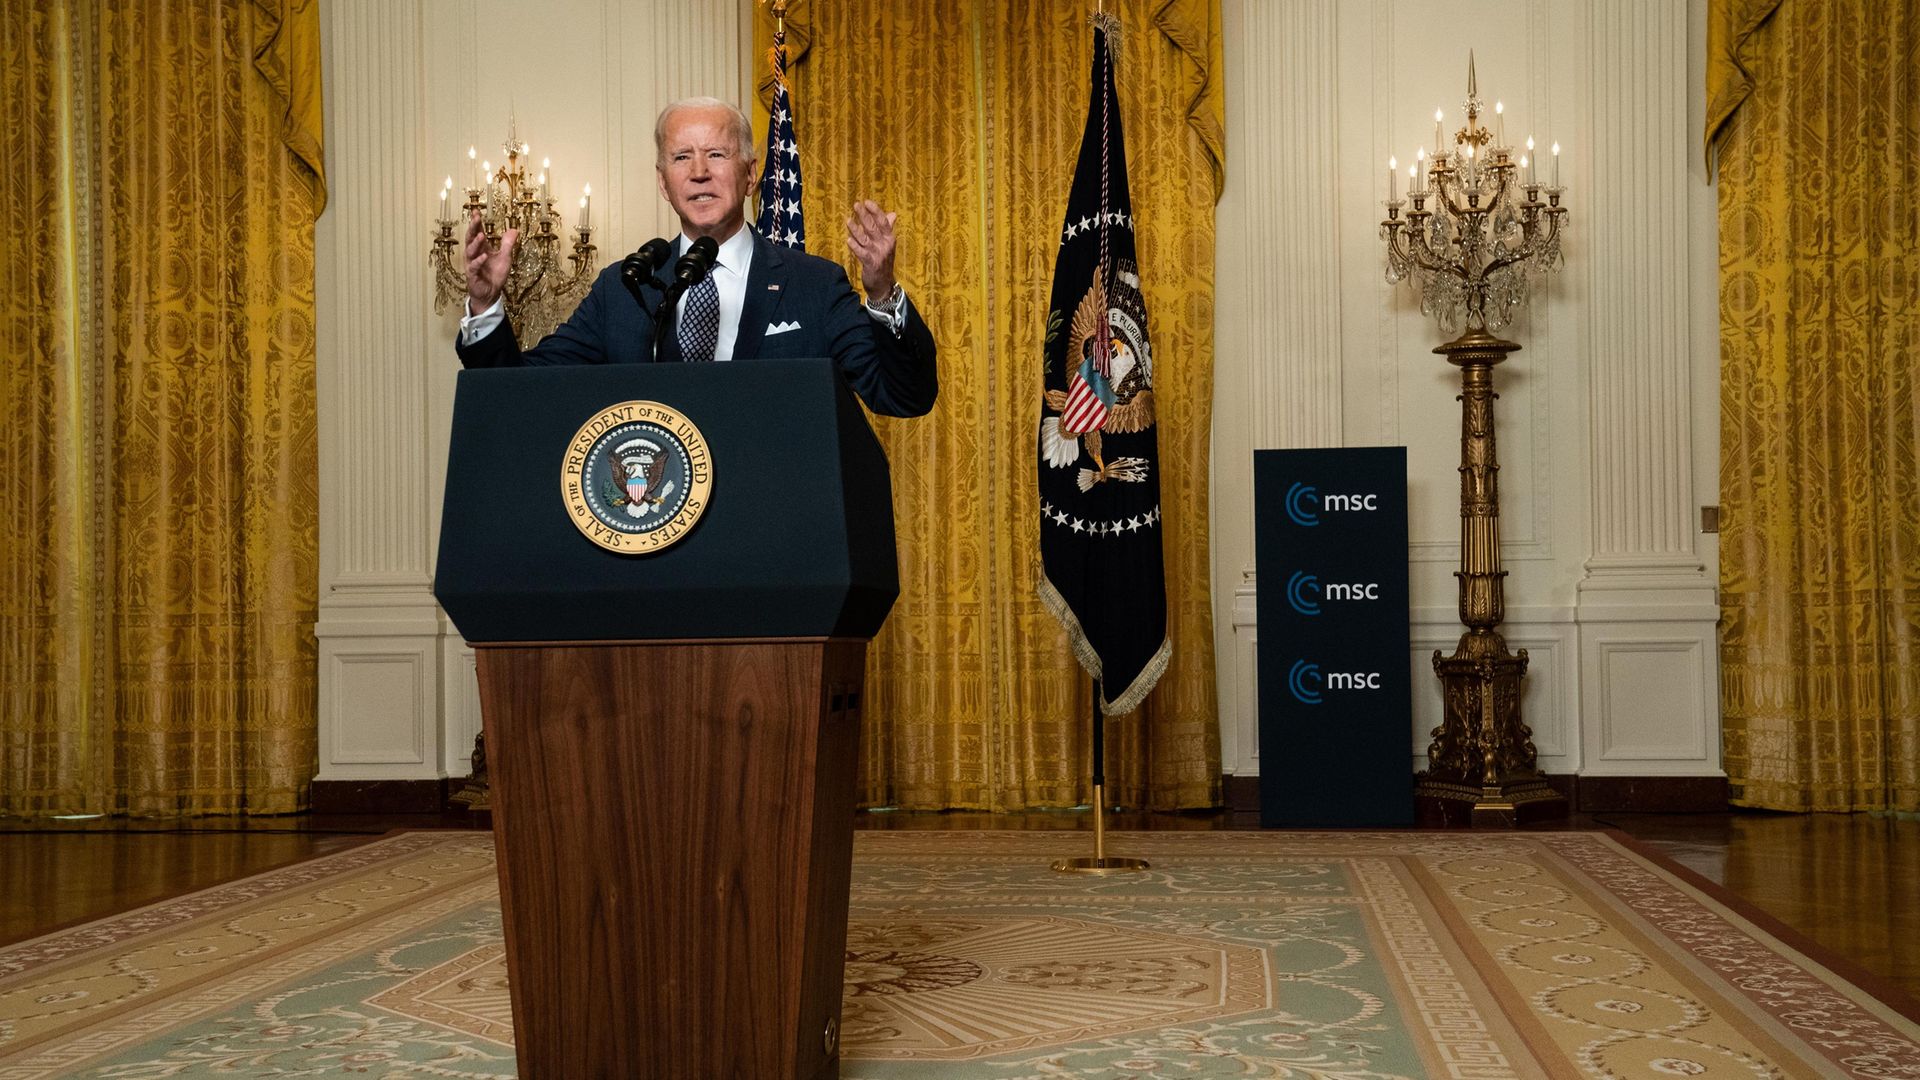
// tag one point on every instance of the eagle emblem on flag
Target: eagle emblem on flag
(1111, 385)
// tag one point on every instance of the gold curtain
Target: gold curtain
(158, 501)
(966, 119)
(1814, 112)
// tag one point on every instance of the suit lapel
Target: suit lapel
(766, 284)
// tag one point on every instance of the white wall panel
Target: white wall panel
(410, 84)
(1602, 431)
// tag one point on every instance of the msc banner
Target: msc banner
(1335, 712)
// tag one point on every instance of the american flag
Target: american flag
(780, 220)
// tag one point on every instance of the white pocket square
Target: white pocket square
(781, 328)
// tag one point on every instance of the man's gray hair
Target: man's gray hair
(737, 120)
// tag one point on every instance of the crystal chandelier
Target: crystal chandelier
(540, 291)
(1477, 235)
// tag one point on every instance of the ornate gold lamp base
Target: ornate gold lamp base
(1482, 768)
(1483, 762)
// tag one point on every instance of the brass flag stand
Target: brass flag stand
(1100, 863)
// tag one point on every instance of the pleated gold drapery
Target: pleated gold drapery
(158, 499)
(1814, 111)
(966, 119)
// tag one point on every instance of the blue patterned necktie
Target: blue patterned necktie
(700, 322)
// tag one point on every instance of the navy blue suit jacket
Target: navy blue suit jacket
(894, 375)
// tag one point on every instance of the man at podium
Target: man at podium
(759, 301)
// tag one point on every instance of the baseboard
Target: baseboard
(1650, 794)
(1242, 793)
(1585, 794)
(379, 796)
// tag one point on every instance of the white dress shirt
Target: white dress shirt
(730, 268)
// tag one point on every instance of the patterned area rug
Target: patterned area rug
(1327, 955)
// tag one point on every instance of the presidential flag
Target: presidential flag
(1102, 571)
(780, 220)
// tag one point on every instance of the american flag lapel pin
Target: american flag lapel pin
(773, 287)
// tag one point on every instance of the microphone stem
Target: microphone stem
(664, 315)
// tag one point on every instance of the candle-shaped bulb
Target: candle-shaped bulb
(546, 163)
(1523, 161)
(1556, 149)
(449, 184)
(543, 179)
(1499, 108)
(471, 153)
(1393, 162)
(1529, 142)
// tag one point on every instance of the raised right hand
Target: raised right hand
(486, 266)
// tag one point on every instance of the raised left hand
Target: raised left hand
(870, 238)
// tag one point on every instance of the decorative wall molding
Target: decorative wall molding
(378, 625)
(409, 85)
(379, 687)
(1604, 436)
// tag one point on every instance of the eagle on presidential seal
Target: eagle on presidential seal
(636, 468)
(1110, 388)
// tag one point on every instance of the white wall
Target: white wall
(1607, 418)
(410, 84)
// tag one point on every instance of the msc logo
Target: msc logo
(1305, 504)
(1307, 683)
(1304, 592)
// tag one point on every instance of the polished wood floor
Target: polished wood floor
(1851, 883)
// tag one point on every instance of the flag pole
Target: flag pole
(1100, 863)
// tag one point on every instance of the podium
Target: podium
(672, 736)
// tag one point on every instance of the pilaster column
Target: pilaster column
(379, 627)
(1277, 275)
(1646, 598)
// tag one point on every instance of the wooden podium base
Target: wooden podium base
(674, 822)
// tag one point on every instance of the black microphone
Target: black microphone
(637, 269)
(695, 264)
